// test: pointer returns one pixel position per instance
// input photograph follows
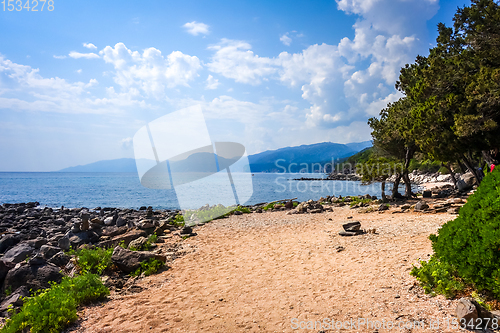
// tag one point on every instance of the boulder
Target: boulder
(289, 205)
(129, 261)
(383, 207)
(427, 194)
(138, 243)
(466, 182)
(59, 259)
(421, 206)
(114, 231)
(108, 220)
(48, 251)
(126, 238)
(466, 310)
(5, 266)
(18, 253)
(64, 243)
(15, 299)
(7, 241)
(34, 277)
(120, 222)
(145, 224)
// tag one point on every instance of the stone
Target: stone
(237, 212)
(8, 241)
(289, 205)
(466, 310)
(18, 253)
(403, 207)
(129, 261)
(315, 211)
(15, 299)
(258, 210)
(48, 251)
(34, 277)
(145, 224)
(138, 243)
(186, 231)
(352, 226)
(37, 242)
(349, 233)
(126, 238)
(64, 243)
(121, 222)
(60, 259)
(301, 208)
(108, 220)
(96, 221)
(466, 182)
(421, 206)
(382, 207)
(427, 194)
(5, 266)
(114, 231)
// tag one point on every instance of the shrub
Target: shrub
(53, 309)
(93, 260)
(178, 221)
(469, 246)
(437, 277)
(149, 267)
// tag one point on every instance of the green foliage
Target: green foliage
(378, 168)
(94, 260)
(149, 267)
(438, 277)
(178, 221)
(53, 309)
(425, 165)
(269, 206)
(471, 242)
(356, 200)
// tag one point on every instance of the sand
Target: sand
(257, 272)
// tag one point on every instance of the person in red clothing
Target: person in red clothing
(495, 156)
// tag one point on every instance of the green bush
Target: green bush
(149, 267)
(148, 245)
(53, 309)
(93, 260)
(470, 244)
(437, 277)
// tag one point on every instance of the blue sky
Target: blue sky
(77, 82)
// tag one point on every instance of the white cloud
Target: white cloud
(78, 55)
(286, 40)
(195, 28)
(212, 83)
(234, 59)
(150, 71)
(59, 57)
(127, 143)
(90, 46)
(79, 71)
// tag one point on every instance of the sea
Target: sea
(124, 190)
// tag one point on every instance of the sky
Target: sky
(79, 80)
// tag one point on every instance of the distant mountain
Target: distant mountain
(267, 161)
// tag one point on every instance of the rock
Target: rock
(466, 182)
(126, 238)
(421, 206)
(34, 277)
(427, 194)
(403, 207)
(292, 211)
(18, 253)
(289, 205)
(96, 221)
(138, 243)
(129, 261)
(315, 211)
(186, 231)
(5, 266)
(453, 210)
(258, 210)
(108, 220)
(121, 222)
(114, 231)
(64, 243)
(466, 310)
(301, 208)
(59, 259)
(352, 226)
(15, 299)
(237, 212)
(382, 207)
(145, 224)
(37, 242)
(350, 233)
(48, 251)
(85, 222)
(457, 201)
(8, 241)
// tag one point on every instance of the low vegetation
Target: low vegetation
(95, 260)
(149, 267)
(467, 249)
(53, 309)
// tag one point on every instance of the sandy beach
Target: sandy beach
(269, 272)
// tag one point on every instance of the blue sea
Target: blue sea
(124, 190)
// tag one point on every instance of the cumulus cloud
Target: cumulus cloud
(59, 57)
(234, 59)
(78, 55)
(286, 40)
(150, 72)
(195, 28)
(212, 83)
(90, 46)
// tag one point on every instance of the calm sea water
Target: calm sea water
(124, 190)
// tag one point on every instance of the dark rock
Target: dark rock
(18, 253)
(37, 242)
(34, 277)
(466, 310)
(315, 211)
(5, 266)
(129, 261)
(289, 205)
(466, 182)
(145, 224)
(15, 299)
(382, 207)
(237, 212)
(121, 222)
(350, 233)
(64, 243)
(125, 238)
(114, 231)
(59, 259)
(8, 241)
(352, 226)
(48, 251)
(138, 243)
(427, 194)
(186, 230)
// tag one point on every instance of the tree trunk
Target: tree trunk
(395, 189)
(447, 166)
(471, 168)
(488, 158)
(461, 165)
(407, 181)
(384, 198)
